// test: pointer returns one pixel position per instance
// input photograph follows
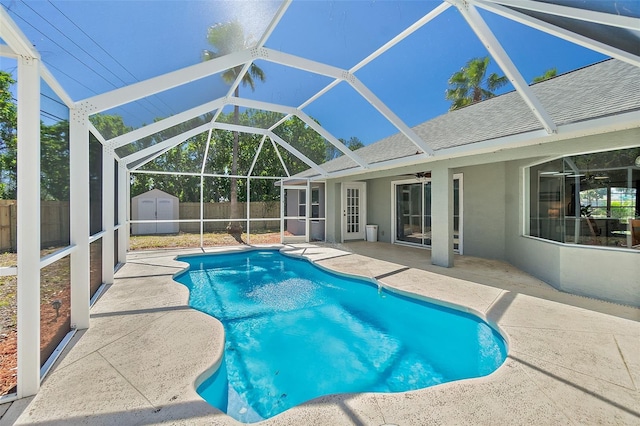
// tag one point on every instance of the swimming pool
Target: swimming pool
(295, 332)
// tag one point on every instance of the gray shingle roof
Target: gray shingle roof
(603, 89)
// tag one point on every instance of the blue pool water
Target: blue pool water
(295, 332)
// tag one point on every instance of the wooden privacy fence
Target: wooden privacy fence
(54, 220)
(54, 224)
(7, 224)
(259, 209)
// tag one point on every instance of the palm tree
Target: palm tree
(227, 38)
(551, 72)
(469, 85)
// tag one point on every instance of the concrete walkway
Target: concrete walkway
(572, 360)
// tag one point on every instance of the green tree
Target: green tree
(471, 85)
(188, 157)
(54, 162)
(180, 158)
(109, 125)
(353, 144)
(185, 157)
(8, 140)
(304, 139)
(550, 73)
(54, 146)
(227, 38)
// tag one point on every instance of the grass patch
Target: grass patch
(212, 239)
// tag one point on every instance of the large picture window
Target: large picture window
(591, 199)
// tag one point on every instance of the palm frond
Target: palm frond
(227, 38)
(257, 72)
(468, 85)
(494, 82)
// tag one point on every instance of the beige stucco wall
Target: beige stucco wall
(493, 212)
(333, 211)
(379, 204)
(483, 209)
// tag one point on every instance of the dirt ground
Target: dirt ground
(54, 286)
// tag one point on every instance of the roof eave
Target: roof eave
(608, 124)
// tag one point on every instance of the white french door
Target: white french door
(354, 210)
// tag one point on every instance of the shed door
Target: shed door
(146, 211)
(164, 211)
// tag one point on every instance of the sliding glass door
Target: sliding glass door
(406, 224)
(413, 219)
(413, 212)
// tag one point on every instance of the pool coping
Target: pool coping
(566, 364)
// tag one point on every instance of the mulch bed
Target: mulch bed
(54, 286)
(53, 329)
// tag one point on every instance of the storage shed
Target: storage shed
(155, 205)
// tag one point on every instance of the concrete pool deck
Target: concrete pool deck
(572, 360)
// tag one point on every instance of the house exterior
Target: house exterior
(561, 206)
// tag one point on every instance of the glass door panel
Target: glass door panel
(413, 213)
(456, 214)
(353, 210)
(353, 214)
(427, 214)
(408, 213)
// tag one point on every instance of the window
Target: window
(315, 203)
(590, 199)
(302, 202)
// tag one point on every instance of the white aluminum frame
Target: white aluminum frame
(170, 80)
(31, 71)
(79, 218)
(202, 220)
(28, 227)
(284, 217)
(580, 40)
(123, 227)
(619, 21)
(467, 9)
(480, 27)
(108, 216)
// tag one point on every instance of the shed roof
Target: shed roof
(155, 193)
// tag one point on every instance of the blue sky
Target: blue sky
(150, 38)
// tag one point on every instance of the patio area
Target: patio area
(572, 360)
